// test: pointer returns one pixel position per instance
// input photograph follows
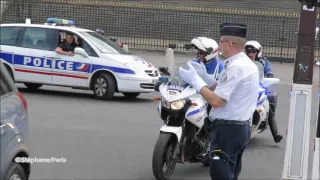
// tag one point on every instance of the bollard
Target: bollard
(169, 59)
(126, 48)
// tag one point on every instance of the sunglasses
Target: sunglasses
(251, 51)
(202, 53)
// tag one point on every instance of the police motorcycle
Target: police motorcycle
(182, 138)
(259, 121)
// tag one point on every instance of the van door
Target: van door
(73, 70)
(9, 44)
(34, 59)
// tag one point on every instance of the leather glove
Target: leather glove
(202, 72)
(191, 77)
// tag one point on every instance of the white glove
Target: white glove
(191, 77)
(202, 72)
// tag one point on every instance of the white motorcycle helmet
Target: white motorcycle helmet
(253, 45)
(207, 45)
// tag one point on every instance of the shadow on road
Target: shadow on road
(78, 95)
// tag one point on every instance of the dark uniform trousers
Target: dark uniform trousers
(231, 137)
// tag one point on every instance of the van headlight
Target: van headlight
(177, 105)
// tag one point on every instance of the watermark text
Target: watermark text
(40, 160)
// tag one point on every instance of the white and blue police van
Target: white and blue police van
(98, 64)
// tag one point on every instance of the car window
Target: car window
(103, 44)
(5, 85)
(40, 38)
(79, 41)
(88, 48)
(9, 35)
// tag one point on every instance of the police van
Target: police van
(98, 64)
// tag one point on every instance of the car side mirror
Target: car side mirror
(81, 51)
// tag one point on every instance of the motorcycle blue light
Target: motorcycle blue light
(60, 21)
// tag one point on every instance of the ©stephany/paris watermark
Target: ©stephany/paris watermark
(40, 160)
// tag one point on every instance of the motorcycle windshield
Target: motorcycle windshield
(175, 79)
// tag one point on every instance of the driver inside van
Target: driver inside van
(67, 47)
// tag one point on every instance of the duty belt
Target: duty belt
(229, 122)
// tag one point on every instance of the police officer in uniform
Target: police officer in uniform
(208, 50)
(253, 49)
(233, 98)
(208, 54)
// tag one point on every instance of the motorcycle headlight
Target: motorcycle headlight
(176, 105)
(165, 103)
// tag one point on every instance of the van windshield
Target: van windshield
(103, 44)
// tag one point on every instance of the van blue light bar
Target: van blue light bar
(60, 21)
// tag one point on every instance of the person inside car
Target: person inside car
(67, 47)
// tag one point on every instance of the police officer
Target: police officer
(233, 99)
(254, 50)
(208, 50)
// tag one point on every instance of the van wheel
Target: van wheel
(33, 86)
(15, 171)
(131, 95)
(103, 86)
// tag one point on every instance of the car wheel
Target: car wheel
(15, 172)
(33, 86)
(103, 86)
(131, 95)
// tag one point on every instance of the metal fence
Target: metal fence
(151, 26)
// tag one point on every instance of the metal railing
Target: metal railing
(151, 26)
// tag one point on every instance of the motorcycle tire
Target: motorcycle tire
(165, 143)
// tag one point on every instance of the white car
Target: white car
(98, 64)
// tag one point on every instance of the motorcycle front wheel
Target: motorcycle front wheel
(162, 163)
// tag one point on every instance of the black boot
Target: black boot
(273, 127)
(272, 120)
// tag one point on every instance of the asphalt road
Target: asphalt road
(115, 139)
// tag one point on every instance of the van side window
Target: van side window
(39, 38)
(9, 35)
(79, 41)
(83, 44)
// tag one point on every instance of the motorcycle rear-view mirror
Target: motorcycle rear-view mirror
(164, 70)
(157, 85)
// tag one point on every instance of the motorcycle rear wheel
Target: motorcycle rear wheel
(162, 156)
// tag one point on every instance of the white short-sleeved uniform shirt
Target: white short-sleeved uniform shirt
(238, 85)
